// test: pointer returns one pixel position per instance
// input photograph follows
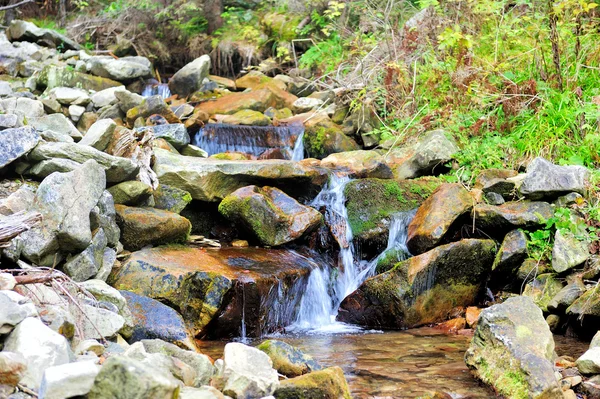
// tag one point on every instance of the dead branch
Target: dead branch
(13, 225)
(11, 6)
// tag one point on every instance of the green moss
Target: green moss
(496, 368)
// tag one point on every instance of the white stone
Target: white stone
(40, 346)
(7, 281)
(248, 372)
(69, 95)
(5, 89)
(14, 308)
(106, 97)
(68, 380)
(101, 323)
(99, 134)
(89, 345)
(305, 104)
(75, 112)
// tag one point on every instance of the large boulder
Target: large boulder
(269, 214)
(423, 289)
(568, 251)
(189, 78)
(424, 158)
(361, 164)
(325, 384)
(62, 76)
(212, 180)
(513, 350)
(436, 216)
(14, 143)
(247, 372)
(123, 69)
(546, 180)
(148, 226)
(40, 346)
(288, 360)
(65, 201)
(117, 169)
(24, 31)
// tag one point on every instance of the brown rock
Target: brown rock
(452, 326)
(472, 316)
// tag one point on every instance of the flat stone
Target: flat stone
(69, 95)
(8, 121)
(544, 179)
(123, 69)
(28, 31)
(67, 380)
(99, 134)
(15, 143)
(55, 122)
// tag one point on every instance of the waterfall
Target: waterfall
(152, 89)
(216, 138)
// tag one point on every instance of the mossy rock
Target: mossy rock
(288, 360)
(55, 76)
(280, 26)
(325, 384)
(130, 192)
(389, 259)
(371, 203)
(322, 137)
(542, 289)
(247, 117)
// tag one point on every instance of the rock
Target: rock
(592, 386)
(152, 319)
(14, 308)
(511, 255)
(25, 108)
(56, 137)
(154, 105)
(7, 282)
(329, 383)
(124, 69)
(212, 180)
(423, 289)
(100, 323)
(306, 104)
(67, 380)
(65, 201)
(566, 296)
(513, 350)
(189, 78)
(589, 362)
(19, 201)
(40, 346)
(193, 151)
(248, 372)
(5, 89)
(205, 392)
(148, 226)
(472, 316)
(105, 293)
(43, 169)
(553, 322)
(12, 369)
(512, 215)
(106, 97)
(104, 216)
(86, 264)
(253, 79)
(124, 378)
(587, 304)
(361, 164)
(69, 96)
(568, 251)
(130, 192)
(8, 121)
(322, 137)
(256, 100)
(62, 76)
(91, 346)
(128, 100)
(268, 213)
(99, 134)
(171, 199)
(288, 360)
(568, 200)
(595, 342)
(424, 158)
(176, 134)
(546, 180)
(436, 216)
(117, 169)
(495, 181)
(56, 122)
(27, 31)
(247, 117)
(15, 143)
(542, 289)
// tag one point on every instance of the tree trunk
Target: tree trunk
(212, 11)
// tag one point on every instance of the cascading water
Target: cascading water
(216, 138)
(153, 89)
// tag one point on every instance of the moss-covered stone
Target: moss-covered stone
(56, 76)
(282, 26)
(288, 360)
(171, 199)
(325, 384)
(322, 137)
(247, 117)
(371, 203)
(542, 289)
(130, 192)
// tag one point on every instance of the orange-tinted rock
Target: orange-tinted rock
(255, 78)
(494, 180)
(196, 120)
(436, 215)
(227, 83)
(256, 100)
(472, 316)
(272, 153)
(283, 98)
(452, 326)
(361, 164)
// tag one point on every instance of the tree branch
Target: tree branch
(8, 7)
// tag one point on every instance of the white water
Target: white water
(298, 151)
(327, 287)
(161, 89)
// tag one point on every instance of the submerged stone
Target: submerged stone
(329, 383)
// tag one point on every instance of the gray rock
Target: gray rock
(117, 169)
(176, 134)
(8, 121)
(14, 308)
(494, 198)
(193, 151)
(305, 104)
(189, 78)
(43, 169)
(568, 251)
(108, 262)
(20, 200)
(125, 378)
(110, 112)
(14, 143)
(589, 362)
(56, 137)
(513, 337)
(5, 89)
(27, 31)
(68, 380)
(123, 69)
(105, 216)
(56, 122)
(75, 112)
(65, 201)
(40, 346)
(69, 96)
(567, 200)
(171, 198)
(544, 179)
(566, 296)
(51, 105)
(106, 97)
(99, 134)
(248, 372)
(128, 100)
(130, 192)
(25, 108)
(511, 254)
(87, 263)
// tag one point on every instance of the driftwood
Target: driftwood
(138, 147)
(19, 4)
(13, 225)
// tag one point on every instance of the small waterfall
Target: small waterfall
(153, 89)
(216, 138)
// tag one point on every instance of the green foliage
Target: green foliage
(47, 23)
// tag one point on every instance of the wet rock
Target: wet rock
(247, 117)
(121, 377)
(247, 372)
(372, 203)
(542, 289)
(65, 201)
(495, 181)
(256, 100)
(148, 226)
(123, 69)
(288, 360)
(272, 216)
(171, 199)
(326, 384)
(40, 346)
(566, 296)
(423, 289)
(14, 308)
(15, 143)
(176, 134)
(511, 254)
(189, 78)
(512, 215)
(212, 180)
(117, 169)
(546, 180)
(322, 137)
(568, 251)
(86, 264)
(55, 122)
(589, 362)
(452, 326)
(154, 105)
(99, 134)
(424, 158)
(152, 319)
(472, 316)
(130, 192)
(436, 215)
(513, 350)
(67, 380)
(27, 31)
(361, 164)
